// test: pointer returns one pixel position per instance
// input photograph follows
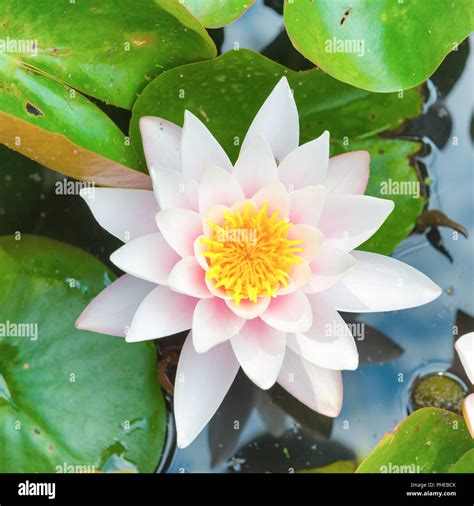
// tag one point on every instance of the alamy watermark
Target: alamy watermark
(351, 46)
(15, 329)
(247, 235)
(391, 187)
(340, 329)
(68, 187)
(19, 46)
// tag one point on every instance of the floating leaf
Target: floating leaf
(69, 397)
(342, 466)
(371, 44)
(465, 464)
(431, 440)
(217, 13)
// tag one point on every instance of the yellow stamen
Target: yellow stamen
(250, 255)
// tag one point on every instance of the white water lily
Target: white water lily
(465, 348)
(256, 258)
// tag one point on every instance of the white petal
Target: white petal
(148, 257)
(202, 381)
(318, 388)
(306, 205)
(289, 313)
(277, 121)
(162, 313)
(468, 412)
(329, 342)
(199, 149)
(260, 350)
(218, 187)
(199, 247)
(310, 237)
(111, 312)
(307, 165)
(161, 143)
(380, 283)
(173, 189)
(465, 348)
(349, 220)
(187, 277)
(276, 198)
(124, 213)
(300, 274)
(256, 166)
(348, 173)
(213, 323)
(329, 265)
(180, 228)
(248, 309)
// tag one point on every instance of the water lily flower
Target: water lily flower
(465, 348)
(256, 259)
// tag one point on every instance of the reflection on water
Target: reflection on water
(257, 431)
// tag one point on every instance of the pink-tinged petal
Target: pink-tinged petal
(328, 266)
(318, 388)
(349, 220)
(174, 190)
(276, 198)
(310, 237)
(465, 348)
(162, 313)
(111, 312)
(180, 228)
(256, 166)
(380, 283)
(217, 292)
(307, 165)
(273, 417)
(306, 205)
(199, 149)
(247, 309)
(289, 313)
(213, 323)
(329, 342)
(161, 143)
(124, 213)
(348, 173)
(218, 187)
(300, 274)
(148, 257)
(468, 412)
(187, 277)
(199, 248)
(260, 350)
(202, 381)
(214, 214)
(277, 121)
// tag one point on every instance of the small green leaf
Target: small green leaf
(217, 13)
(341, 466)
(465, 464)
(379, 46)
(227, 92)
(431, 440)
(69, 397)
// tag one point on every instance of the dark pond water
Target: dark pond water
(270, 431)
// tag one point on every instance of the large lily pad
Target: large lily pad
(227, 92)
(431, 440)
(217, 13)
(69, 398)
(109, 49)
(380, 46)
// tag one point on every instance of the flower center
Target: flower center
(250, 254)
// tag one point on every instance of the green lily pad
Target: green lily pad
(109, 49)
(379, 46)
(392, 176)
(431, 440)
(227, 92)
(70, 400)
(217, 13)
